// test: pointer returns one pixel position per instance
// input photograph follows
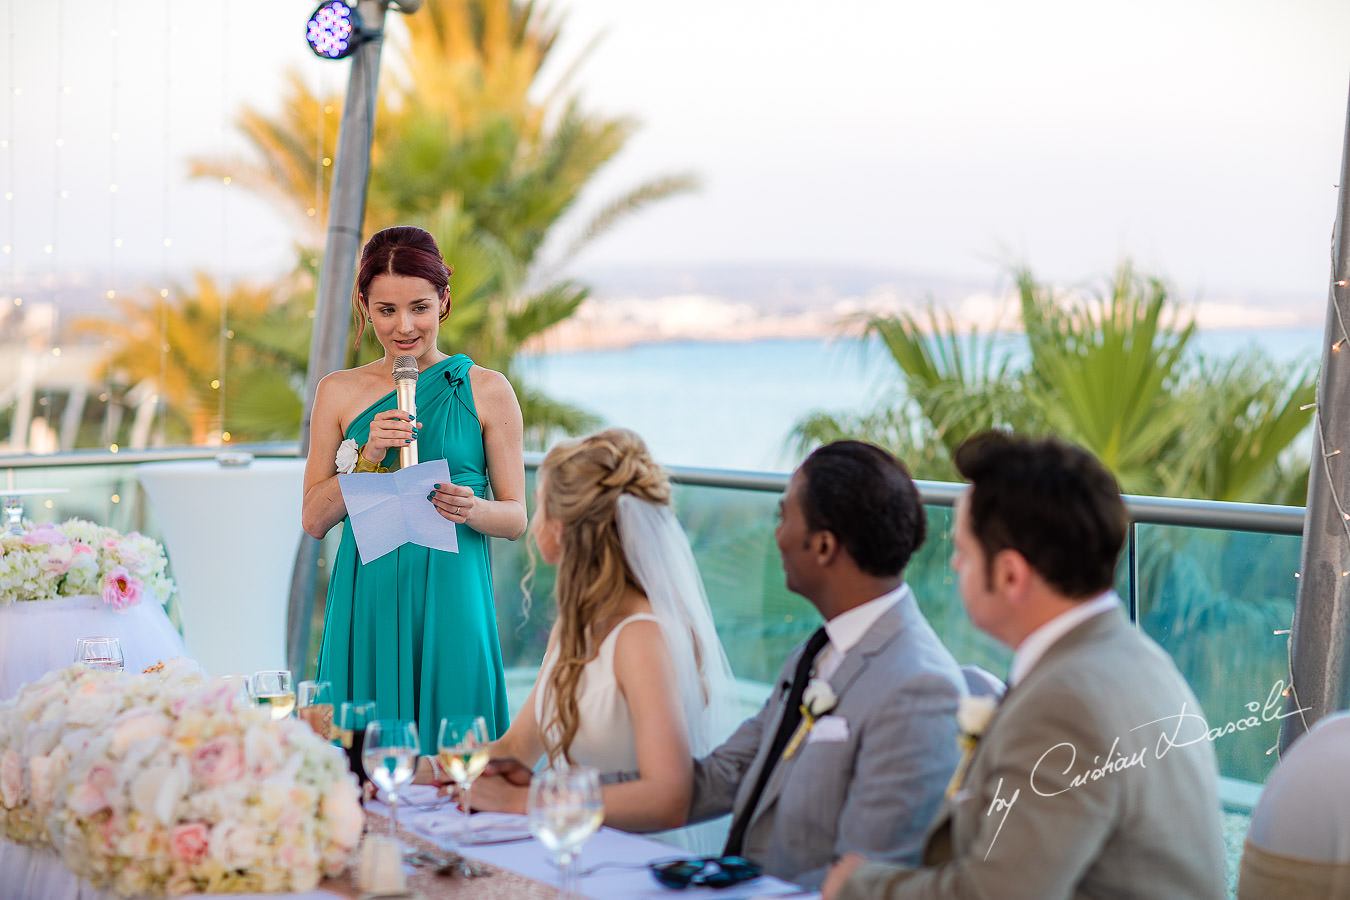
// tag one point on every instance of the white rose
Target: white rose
(235, 845)
(973, 714)
(342, 811)
(818, 698)
(346, 457)
(156, 791)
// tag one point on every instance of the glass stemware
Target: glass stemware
(314, 704)
(353, 717)
(462, 750)
(273, 689)
(565, 808)
(102, 653)
(390, 758)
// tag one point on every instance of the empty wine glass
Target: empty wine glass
(273, 689)
(565, 808)
(102, 653)
(462, 749)
(314, 704)
(390, 758)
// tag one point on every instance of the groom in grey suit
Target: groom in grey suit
(868, 770)
(1094, 777)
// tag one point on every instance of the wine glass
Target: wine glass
(462, 749)
(314, 704)
(390, 758)
(102, 653)
(565, 809)
(273, 689)
(353, 717)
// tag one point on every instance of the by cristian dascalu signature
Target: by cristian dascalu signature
(1196, 728)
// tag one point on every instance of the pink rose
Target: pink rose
(45, 534)
(121, 589)
(78, 548)
(189, 843)
(218, 761)
(92, 794)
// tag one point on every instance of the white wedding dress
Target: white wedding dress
(604, 737)
(658, 554)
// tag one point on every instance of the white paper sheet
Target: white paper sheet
(389, 509)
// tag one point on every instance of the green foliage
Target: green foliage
(1110, 372)
(468, 147)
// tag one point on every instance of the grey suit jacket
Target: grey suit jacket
(874, 789)
(1093, 780)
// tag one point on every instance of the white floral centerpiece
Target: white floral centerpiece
(167, 784)
(79, 558)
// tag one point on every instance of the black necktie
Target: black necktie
(792, 716)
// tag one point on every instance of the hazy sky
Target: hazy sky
(1202, 138)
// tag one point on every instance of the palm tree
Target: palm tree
(1110, 372)
(222, 362)
(465, 148)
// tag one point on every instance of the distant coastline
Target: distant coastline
(615, 322)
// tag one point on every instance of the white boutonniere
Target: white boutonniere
(817, 700)
(346, 457)
(972, 718)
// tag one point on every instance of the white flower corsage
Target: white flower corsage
(346, 457)
(817, 700)
(972, 718)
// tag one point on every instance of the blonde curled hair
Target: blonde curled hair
(582, 481)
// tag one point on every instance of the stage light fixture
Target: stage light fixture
(334, 30)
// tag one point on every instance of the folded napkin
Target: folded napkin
(485, 827)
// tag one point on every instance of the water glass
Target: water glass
(390, 759)
(462, 750)
(273, 690)
(102, 653)
(565, 808)
(314, 704)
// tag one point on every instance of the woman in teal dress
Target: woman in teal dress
(415, 630)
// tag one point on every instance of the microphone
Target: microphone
(405, 386)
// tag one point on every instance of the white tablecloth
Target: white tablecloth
(231, 533)
(608, 845)
(37, 637)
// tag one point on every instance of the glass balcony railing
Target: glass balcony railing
(1213, 583)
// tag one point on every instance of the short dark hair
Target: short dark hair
(1051, 501)
(866, 499)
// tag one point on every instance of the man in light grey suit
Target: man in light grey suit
(869, 772)
(1094, 777)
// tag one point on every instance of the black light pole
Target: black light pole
(1320, 643)
(346, 210)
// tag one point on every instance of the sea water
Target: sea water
(733, 405)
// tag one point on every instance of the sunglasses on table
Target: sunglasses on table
(708, 871)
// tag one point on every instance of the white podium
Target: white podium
(231, 533)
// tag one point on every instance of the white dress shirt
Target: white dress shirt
(1033, 647)
(847, 628)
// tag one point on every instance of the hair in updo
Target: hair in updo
(401, 250)
(582, 481)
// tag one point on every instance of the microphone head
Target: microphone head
(405, 367)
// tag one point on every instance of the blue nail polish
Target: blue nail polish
(407, 440)
(436, 487)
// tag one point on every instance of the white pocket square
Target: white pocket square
(828, 729)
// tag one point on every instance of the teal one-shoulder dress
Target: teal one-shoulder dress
(416, 630)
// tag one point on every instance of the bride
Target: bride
(634, 682)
